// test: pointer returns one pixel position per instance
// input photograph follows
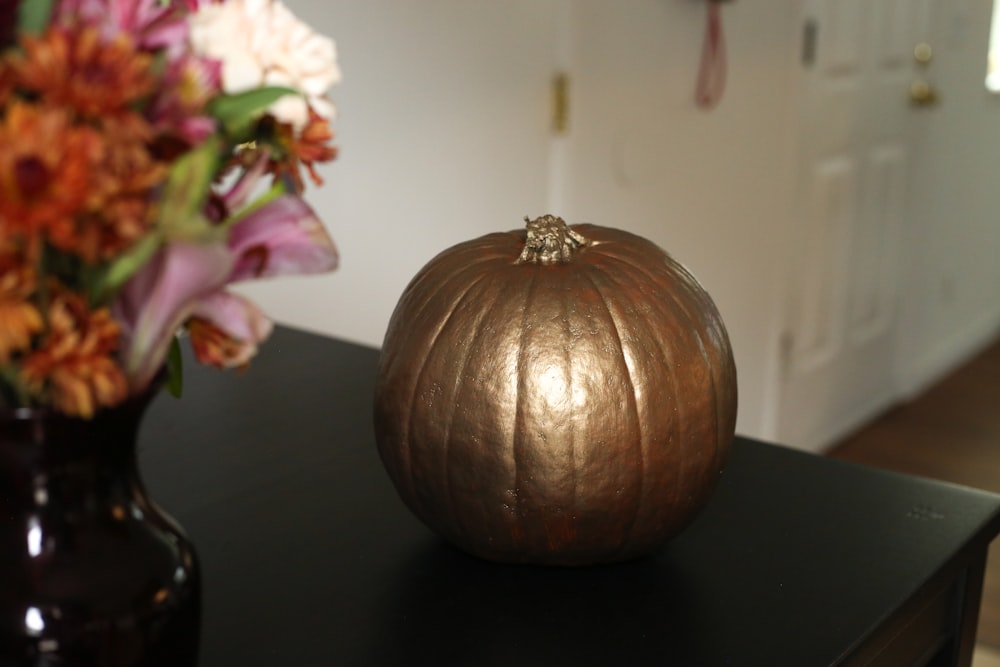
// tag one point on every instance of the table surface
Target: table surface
(309, 557)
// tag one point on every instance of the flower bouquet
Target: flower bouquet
(152, 152)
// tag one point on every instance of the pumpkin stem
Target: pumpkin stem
(549, 241)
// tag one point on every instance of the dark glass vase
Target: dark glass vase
(92, 572)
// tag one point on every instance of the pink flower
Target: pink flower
(150, 25)
(161, 296)
(241, 191)
(283, 237)
(226, 330)
(189, 84)
(186, 280)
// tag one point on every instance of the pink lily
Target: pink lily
(280, 238)
(161, 296)
(283, 237)
(186, 280)
(246, 185)
(240, 324)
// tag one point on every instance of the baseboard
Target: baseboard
(946, 355)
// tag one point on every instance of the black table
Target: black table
(309, 557)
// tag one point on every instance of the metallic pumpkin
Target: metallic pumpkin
(555, 395)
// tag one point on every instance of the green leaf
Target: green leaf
(238, 112)
(33, 16)
(186, 190)
(175, 369)
(124, 267)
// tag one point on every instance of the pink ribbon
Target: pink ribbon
(712, 74)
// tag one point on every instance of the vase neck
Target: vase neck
(49, 458)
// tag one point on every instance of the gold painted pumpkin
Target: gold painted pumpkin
(555, 395)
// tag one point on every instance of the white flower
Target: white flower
(261, 43)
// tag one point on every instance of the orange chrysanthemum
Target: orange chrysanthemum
(136, 175)
(78, 69)
(74, 368)
(46, 169)
(19, 318)
(123, 194)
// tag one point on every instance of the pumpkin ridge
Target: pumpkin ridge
(461, 368)
(470, 253)
(708, 306)
(519, 408)
(388, 362)
(669, 359)
(568, 361)
(690, 282)
(634, 404)
(708, 358)
(415, 308)
(424, 362)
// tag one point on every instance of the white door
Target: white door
(855, 154)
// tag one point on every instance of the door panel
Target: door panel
(830, 206)
(840, 49)
(854, 158)
(876, 245)
(891, 22)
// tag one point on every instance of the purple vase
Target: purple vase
(92, 572)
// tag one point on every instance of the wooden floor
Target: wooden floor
(951, 432)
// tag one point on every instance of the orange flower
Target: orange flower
(19, 321)
(311, 146)
(214, 347)
(19, 318)
(123, 194)
(136, 175)
(74, 368)
(94, 77)
(46, 169)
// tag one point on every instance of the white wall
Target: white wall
(443, 128)
(709, 187)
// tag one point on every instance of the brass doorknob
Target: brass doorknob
(923, 54)
(922, 94)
